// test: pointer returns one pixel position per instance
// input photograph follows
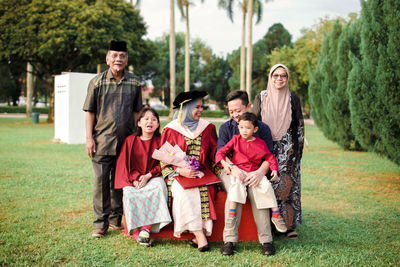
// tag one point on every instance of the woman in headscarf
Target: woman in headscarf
(192, 209)
(280, 109)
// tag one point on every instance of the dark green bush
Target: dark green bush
(22, 109)
(206, 113)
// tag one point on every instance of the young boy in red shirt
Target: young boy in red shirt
(248, 153)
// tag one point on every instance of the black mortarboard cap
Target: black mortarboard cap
(117, 46)
(188, 96)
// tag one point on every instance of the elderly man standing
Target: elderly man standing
(112, 103)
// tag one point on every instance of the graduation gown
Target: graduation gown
(207, 149)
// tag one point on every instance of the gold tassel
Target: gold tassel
(180, 114)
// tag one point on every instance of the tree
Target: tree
(234, 60)
(29, 89)
(323, 109)
(214, 78)
(314, 97)
(261, 62)
(201, 58)
(228, 6)
(172, 56)
(373, 84)
(158, 67)
(302, 57)
(249, 55)
(63, 35)
(257, 10)
(184, 8)
(349, 43)
(331, 111)
(276, 37)
(12, 81)
(260, 67)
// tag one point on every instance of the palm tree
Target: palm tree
(228, 5)
(256, 7)
(172, 56)
(184, 8)
(244, 5)
(172, 52)
(249, 49)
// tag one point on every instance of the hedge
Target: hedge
(22, 109)
(206, 113)
(161, 112)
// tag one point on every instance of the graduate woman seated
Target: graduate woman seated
(144, 191)
(192, 208)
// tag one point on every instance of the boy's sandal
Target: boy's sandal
(292, 234)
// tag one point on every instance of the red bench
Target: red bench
(247, 228)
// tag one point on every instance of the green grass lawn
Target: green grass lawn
(351, 210)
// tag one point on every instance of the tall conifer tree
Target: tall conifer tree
(323, 83)
(314, 97)
(328, 66)
(374, 80)
(349, 43)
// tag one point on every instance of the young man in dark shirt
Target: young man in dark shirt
(238, 103)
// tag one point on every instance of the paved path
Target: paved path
(163, 118)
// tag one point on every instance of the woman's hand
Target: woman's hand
(274, 175)
(143, 179)
(189, 173)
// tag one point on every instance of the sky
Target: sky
(213, 26)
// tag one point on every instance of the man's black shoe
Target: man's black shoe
(227, 249)
(268, 249)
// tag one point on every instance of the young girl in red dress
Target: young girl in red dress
(138, 174)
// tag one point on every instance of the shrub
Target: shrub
(206, 113)
(22, 109)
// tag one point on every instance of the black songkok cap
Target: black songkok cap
(117, 46)
(188, 96)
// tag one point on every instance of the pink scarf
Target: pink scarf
(276, 108)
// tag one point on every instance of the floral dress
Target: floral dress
(288, 152)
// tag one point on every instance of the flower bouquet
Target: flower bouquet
(175, 156)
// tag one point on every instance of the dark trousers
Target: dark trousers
(107, 201)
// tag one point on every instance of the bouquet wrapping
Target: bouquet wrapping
(175, 156)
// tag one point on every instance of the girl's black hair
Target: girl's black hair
(251, 117)
(138, 130)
